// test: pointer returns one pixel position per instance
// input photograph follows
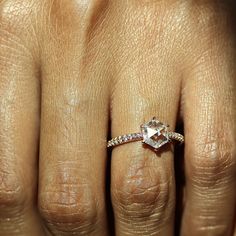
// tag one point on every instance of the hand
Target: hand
(67, 67)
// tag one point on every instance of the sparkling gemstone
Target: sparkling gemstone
(155, 133)
(116, 142)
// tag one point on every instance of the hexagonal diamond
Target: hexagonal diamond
(155, 133)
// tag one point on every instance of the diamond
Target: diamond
(129, 137)
(155, 133)
(115, 142)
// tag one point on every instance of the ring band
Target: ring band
(154, 133)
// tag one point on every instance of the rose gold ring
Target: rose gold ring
(154, 133)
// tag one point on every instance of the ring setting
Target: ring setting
(153, 133)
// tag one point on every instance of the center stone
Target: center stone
(154, 133)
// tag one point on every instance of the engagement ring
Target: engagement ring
(153, 133)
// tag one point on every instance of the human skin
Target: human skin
(71, 72)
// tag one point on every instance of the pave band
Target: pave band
(139, 137)
(153, 133)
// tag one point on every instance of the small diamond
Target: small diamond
(140, 135)
(116, 142)
(119, 139)
(155, 133)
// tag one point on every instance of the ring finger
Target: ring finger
(142, 182)
(143, 185)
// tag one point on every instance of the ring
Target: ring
(153, 133)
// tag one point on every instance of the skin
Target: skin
(72, 72)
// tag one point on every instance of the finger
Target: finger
(73, 132)
(142, 182)
(19, 126)
(143, 186)
(209, 116)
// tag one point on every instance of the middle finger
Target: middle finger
(74, 127)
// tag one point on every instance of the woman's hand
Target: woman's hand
(67, 68)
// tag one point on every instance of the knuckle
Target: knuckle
(12, 194)
(142, 192)
(70, 208)
(213, 161)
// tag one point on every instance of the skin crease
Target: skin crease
(67, 68)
